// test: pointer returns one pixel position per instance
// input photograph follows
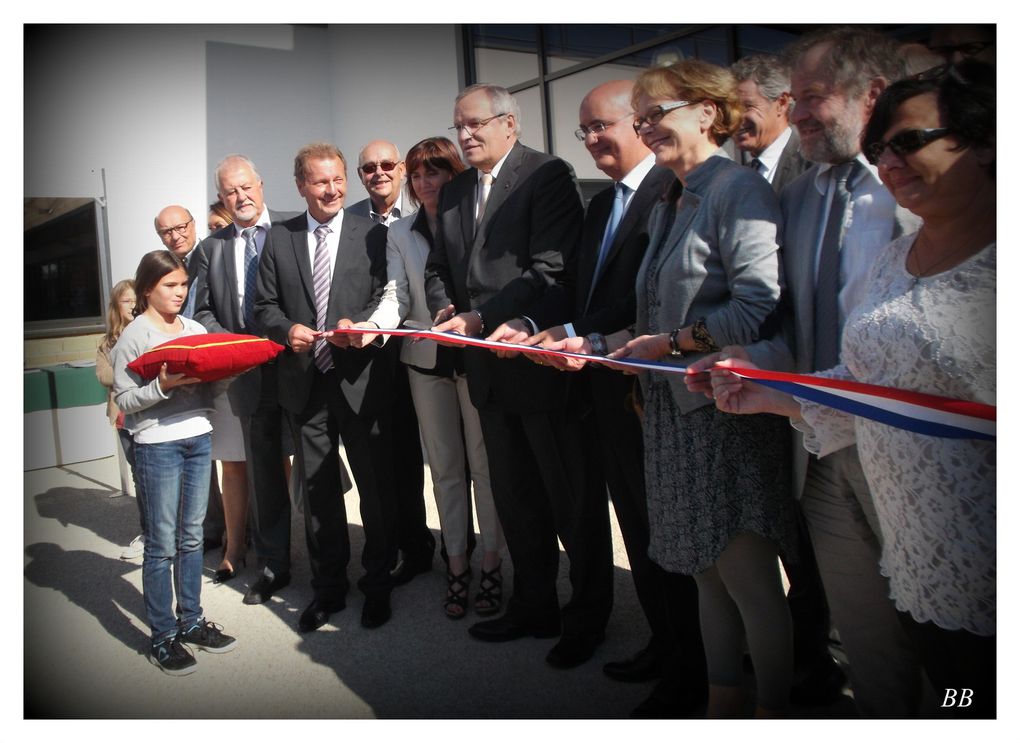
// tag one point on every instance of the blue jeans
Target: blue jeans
(173, 489)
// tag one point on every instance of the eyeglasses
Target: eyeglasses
(940, 73)
(655, 114)
(179, 229)
(596, 128)
(386, 165)
(970, 49)
(473, 126)
(906, 142)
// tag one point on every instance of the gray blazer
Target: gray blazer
(407, 250)
(794, 349)
(791, 163)
(718, 256)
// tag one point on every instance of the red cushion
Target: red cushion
(207, 356)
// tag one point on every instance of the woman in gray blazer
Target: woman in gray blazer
(439, 387)
(718, 485)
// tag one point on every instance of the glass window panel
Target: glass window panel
(532, 126)
(505, 54)
(570, 44)
(565, 97)
(761, 40)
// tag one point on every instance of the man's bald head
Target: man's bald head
(616, 149)
(176, 229)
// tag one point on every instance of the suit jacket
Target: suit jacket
(363, 208)
(791, 163)
(802, 206)
(286, 296)
(407, 250)
(612, 303)
(531, 226)
(216, 307)
(717, 256)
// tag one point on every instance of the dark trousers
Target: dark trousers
(539, 486)
(269, 504)
(669, 600)
(413, 534)
(318, 429)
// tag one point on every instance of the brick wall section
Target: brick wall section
(49, 351)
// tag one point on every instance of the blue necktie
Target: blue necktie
(615, 217)
(251, 268)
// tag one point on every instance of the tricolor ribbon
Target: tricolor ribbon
(931, 415)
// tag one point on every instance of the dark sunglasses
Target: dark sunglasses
(370, 168)
(906, 142)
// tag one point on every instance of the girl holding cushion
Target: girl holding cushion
(168, 418)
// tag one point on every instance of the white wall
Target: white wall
(158, 106)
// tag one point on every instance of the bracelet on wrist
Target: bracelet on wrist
(597, 341)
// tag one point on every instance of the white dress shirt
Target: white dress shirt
(263, 224)
(332, 241)
(769, 158)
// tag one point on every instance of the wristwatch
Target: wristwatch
(599, 347)
(674, 343)
(481, 319)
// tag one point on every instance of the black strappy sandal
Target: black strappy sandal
(489, 599)
(455, 604)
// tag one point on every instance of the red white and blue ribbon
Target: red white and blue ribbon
(931, 415)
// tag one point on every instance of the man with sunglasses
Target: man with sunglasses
(382, 173)
(837, 218)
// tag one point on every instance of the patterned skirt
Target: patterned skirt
(711, 475)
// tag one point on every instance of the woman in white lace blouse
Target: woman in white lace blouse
(927, 325)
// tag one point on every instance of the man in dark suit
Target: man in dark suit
(321, 267)
(613, 243)
(766, 140)
(225, 281)
(507, 227)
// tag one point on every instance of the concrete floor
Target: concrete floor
(85, 635)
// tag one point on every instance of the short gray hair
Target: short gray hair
(500, 99)
(855, 57)
(223, 163)
(770, 73)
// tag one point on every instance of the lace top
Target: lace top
(935, 497)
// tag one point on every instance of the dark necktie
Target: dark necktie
(320, 282)
(758, 166)
(251, 269)
(827, 326)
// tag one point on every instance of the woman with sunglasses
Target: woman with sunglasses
(927, 324)
(718, 485)
(439, 388)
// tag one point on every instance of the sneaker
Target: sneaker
(171, 657)
(207, 636)
(135, 549)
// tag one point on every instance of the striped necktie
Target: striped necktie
(251, 269)
(321, 282)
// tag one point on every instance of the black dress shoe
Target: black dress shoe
(668, 701)
(644, 666)
(376, 612)
(410, 566)
(265, 587)
(505, 628)
(573, 650)
(823, 684)
(317, 613)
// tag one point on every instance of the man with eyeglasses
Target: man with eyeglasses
(601, 302)
(508, 227)
(837, 217)
(248, 427)
(382, 173)
(768, 143)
